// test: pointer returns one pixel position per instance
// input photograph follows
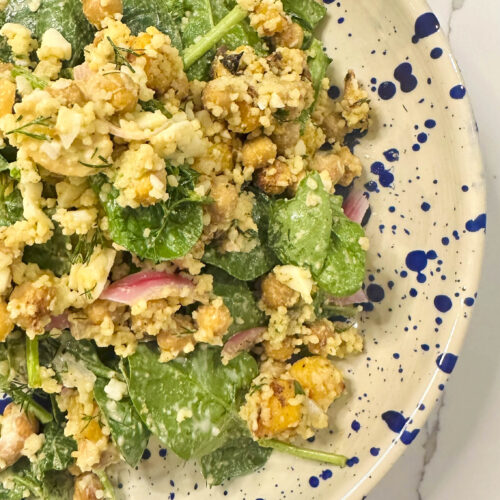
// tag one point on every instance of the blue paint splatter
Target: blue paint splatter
(469, 301)
(374, 451)
(146, 454)
(413, 292)
(425, 206)
(436, 52)
(465, 188)
(476, 224)
(404, 75)
(314, 481)
(455, 235)
(355, 426)
(442, 303)
(408, 436)
(430, 123)
(458, 92)
(387, 90)
(445, 241)
(3, 404)
(416, 147)
(426, 25)
(326, 474)
(441, 387)
(417, 261)
(340, 20)
(394, 420)
(375, 292)
(333, 92)
(422, 138)
(446, 362)
(391, 155)
(352, 461)
(371, 186)
(395, 355)
(385, 177)
(425, 347)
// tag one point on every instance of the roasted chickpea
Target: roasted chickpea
(258, 152)
(276, 294)
(285, 136)
(225, 199)
(96, 11)
(292, 37)
(274, 179)
(87, 487)
(331, 163)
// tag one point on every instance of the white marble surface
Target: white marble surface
(458, 455)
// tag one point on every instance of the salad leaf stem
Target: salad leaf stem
(34, 81)
(109, 491)
(297, 451)
(32, 363)
(206, 42)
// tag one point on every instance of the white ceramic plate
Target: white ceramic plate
(424, 175)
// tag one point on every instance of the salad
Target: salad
(176, 255)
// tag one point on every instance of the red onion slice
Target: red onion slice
(242, 341)
(145, 285)
(60, 322)
(82, 72)
(355, 205)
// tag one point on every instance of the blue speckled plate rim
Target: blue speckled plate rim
(457, 334)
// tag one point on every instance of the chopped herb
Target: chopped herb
(121, 54)
(34, 81)
(42, 121)
(83, 250)
(154, 105)
(104, 164)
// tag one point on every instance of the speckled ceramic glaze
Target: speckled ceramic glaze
(424, 177)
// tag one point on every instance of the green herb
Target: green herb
(34, 81)
(85, 246)
(155, 105)
(316, 455)
(298, 388)
(122, 53)
(127, 429)
(109, 491)
(11, 204)
(23, 396)
(210, 39)
(308, 12)
(41, 121)
(104, 164)
(318, 62)
(239, 299)
(238, 457)
(32, 363)
(209, 392)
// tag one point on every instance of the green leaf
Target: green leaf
(15, 493)
(162, 14)
(324, 308)
(53, 254)
(173, 231)
(155, 105)
(67, 17)
(299, 228)
(56, 451)
(236, 458)
(240, 301)
(310, 12)
(35, 81)
(18, 11)
(11, 205)
(345, 264)
(318, 62)
(190, 403)
(127, 429)
(58, 485)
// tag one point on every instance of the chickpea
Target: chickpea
(102, 310)
(268, 19)
(292, 37)
(225, 199)
(216, 99)
(258, 152)
(6, 324)
(30, 306)
(219, 158)
(68, 95)
(174, 343)
(97, 11)
(250, 119)
(7, 96)
(329, 162)
(276, 294)
(352, 165)
(213, 318)
(274, 179)
(277, 414)
(286, 135)
(321, 381)
(116, 88)
(321, 332)
(281, 353)
(87, 487)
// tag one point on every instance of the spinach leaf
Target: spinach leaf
(309, 12)
(53, 254)
(240, 301)
(190, 403)
(247, 266)
(344, 268)
(56, 451)
(11, 204)
(57, 485)
(15, 493)
(85, 351)
(299, 228)
(200, 21)
(324, 308)
(127, 429)
(155, 105)
(318, 62)
(67, 17)
(18, 11)
(236, 458)
(162, 14)
(175, 226)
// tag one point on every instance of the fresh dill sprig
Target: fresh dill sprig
(121, 54)
(104, 164)
(42, 121)
(23, 396)
(88, 292)
(83, 250)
